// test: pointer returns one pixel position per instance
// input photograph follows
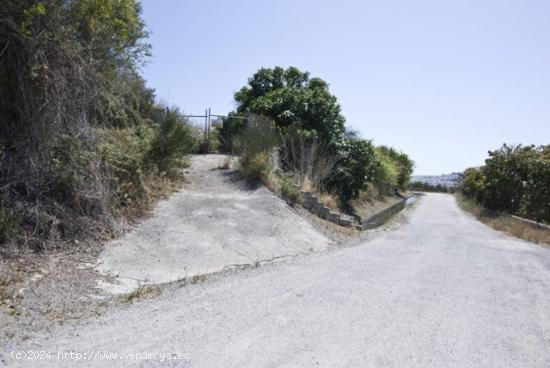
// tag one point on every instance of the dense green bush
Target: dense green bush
(355, 168)
(515, 179)
(393, 170)
(386, 171)
(473, 184)
(173, 141)
(406, 167)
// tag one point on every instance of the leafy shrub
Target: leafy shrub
(355, 168)
(515, 179)
(8, 225)
(173, 140)
(473, 184)
(386, 172)
(535, 202)
(393, 170)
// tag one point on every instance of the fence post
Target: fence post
(208, 133)
(205, 125)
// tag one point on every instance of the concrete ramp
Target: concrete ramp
(216, 221)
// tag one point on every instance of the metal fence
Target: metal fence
(207, 122)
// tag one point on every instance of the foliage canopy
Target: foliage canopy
(515, 179)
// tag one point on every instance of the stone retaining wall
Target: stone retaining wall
(315, 206)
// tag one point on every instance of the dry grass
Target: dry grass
(157, 187)
(272, 181)
(330, 201)
(505, 223)
(162, 186)
(519, 229)
(10, 284)
(142, 293)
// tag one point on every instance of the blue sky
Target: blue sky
(443, 81)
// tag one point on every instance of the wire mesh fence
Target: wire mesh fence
(218, 131)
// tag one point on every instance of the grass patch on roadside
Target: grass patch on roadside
(504, 222)
(142, 293)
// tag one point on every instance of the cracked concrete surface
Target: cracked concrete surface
(216, 221)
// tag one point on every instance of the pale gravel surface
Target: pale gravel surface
(216, 221)
(440, 291)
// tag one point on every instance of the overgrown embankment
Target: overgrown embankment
(79, 145)
(505, 222)
(290, 133)
(515, 180)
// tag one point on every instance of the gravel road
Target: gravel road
(440, 291)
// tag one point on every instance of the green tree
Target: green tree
(386, 171)
(111, 31)
(535, 202)
(393, 169)
(289, 96)
(515, 179)
(506, 170)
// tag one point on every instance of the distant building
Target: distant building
(446, 180)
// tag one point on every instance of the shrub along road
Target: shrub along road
(443, 290)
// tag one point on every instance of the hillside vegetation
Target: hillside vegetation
(294, 137)
(83, 145)
(78, 143)
(514, 180)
